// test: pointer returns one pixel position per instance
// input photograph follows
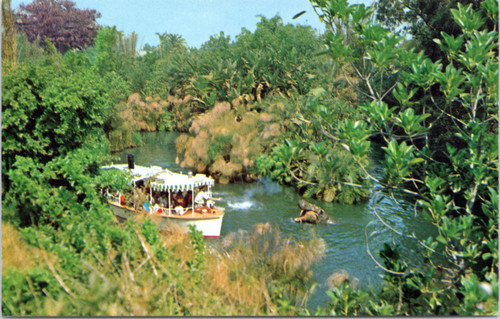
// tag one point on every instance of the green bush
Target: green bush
(452, 175)
(24, 293)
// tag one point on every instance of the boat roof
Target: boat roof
(137, 173)
(164, 179)
(168, 180)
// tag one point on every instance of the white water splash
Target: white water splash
(240, 205)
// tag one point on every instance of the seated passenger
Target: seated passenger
(179, 199)
(203, 199)
(189, 198)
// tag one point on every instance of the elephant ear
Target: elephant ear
(302, 204)
(316, 217)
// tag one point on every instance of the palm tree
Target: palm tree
(127, 45)
(171, 41)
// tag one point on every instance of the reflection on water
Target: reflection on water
(266, 201)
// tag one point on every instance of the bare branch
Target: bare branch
(301, 180)
(61, 282)
(388, 90)
(146, 250)
(86, 264)
(330, 136)
(376, 261)
(355, 87)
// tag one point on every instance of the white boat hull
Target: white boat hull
(210, 226)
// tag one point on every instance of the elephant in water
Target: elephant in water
(312, 214)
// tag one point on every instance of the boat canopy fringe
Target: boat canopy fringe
(167, 180)
(137, 173)
(164, 179)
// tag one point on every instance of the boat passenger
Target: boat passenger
(203, 199)
(156, 208)
(171, 200)
(189, 198)
(163, 200)
(179, 199)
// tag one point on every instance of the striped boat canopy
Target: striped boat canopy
(138, 173)
(167, 180)
(164, 179)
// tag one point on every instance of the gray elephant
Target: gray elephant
(312, 214)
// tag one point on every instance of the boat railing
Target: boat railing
(170, 211)
(114, 198)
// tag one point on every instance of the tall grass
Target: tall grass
(167, 274)
(25, 275)
(256, 270)
(16, 254)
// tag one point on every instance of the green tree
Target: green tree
(312, 159)
(424, 20)
(455, 184)
(275, 59)
(106, 43)
(48, 111)
(170, 42)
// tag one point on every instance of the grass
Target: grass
(16, 254)
(243, 274)
(254, 270)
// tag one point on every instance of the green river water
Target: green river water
(266, 201)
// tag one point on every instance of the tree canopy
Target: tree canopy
(66, 26)
(48, 111)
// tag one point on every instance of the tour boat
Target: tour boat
(161, 183)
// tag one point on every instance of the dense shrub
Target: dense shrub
(452, 177)
(225, 141)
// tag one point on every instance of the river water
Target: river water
(265, 201)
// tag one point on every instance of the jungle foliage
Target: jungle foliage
(451, 174)
(169, 86)
(49, 110)
(226, 140)
(144, 273)
(261, 85)
(282, 101)
(71, 256)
